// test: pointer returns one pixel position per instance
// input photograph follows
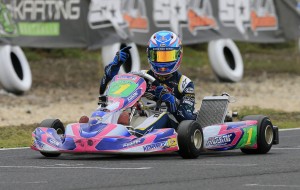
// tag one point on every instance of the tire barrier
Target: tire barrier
(15, 73)
(133, 63)
(226, 60)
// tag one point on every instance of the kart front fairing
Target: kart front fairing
(123, 92)
(102, 134)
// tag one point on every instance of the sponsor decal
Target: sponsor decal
(184, 83)
(53, 142)
(162, 49)
(190, 95)
(152, 88)
(258, 15)
(190, 98)
(172, 142)
(135, 14)
(189, 90)
(121, 88)
(36, 18)
(176, 14)
(162, 68)
(220, 140)
(133, 96)
(155, 146)
(32, 10)
(132, 143)
(196, 15)
(7, 25)
(170, 13)
(200, 16)
(189, 102)
(48, 13)
(127, 77)
(107, 13)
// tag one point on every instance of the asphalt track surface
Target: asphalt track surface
(279, 169)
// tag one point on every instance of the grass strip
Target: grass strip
(279, 118)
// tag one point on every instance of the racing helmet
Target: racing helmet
(164, 52)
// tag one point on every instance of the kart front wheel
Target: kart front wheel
(190, 139)
(265, 134)
(60, 129)
(50, 155)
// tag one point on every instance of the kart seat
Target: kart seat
(124, 118)
(137, 120)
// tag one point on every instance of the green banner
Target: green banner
(39, 28)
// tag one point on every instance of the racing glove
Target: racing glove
(159, 91)
(113, 68)
(170, 100)
(162, 94)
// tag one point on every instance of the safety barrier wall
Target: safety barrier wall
(96, 23)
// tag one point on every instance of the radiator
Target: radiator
(213, 110)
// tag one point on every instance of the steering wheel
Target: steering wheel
(146, 76)
(152, 80)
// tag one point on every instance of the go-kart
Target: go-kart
(103, 133)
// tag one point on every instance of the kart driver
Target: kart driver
(176, 90)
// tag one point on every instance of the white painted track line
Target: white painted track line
(261, 185)
(74, 167)
(20, 182)
(291, 129)
(18, 148)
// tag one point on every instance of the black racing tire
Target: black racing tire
(58, 126)
(265, 134)
(50, 155)
(55, 124)
(190, 139)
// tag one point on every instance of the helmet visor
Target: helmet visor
(163, 55)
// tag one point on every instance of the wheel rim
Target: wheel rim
(59, 131)
(198, 139)
(269, 134)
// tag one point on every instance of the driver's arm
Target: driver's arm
(185, 109)
(110, 71)
(113, 68)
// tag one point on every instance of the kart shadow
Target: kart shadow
(169, 156)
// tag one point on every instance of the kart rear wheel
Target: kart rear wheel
(265, 134)
(60, 129)
(190, 139)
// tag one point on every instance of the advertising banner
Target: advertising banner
(95, 23)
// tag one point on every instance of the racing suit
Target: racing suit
(180, 86)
